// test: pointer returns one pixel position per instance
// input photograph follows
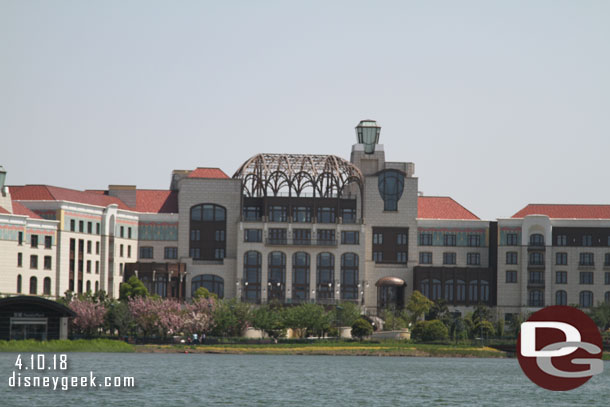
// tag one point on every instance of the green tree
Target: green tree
(439, 310)
(132, 288)
(203, 292)
(361, 328)
(119, 318)
(426, 331)
(269, 320)
(481, 313)
(484, 329)
(345, 314)
(601, 316)
(500, 328)
(418, 306)
(231, 318)
(394, 320)
(308, 319)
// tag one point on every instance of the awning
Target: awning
(391, 281)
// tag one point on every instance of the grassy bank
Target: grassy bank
(79, 345)
(385, 348)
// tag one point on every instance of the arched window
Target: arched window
(536, 239)
(536, 259)
(424, 287)
(161, 285)
(484, 291)
(276, 276)
(436, 289)
(300, 276)
(586, 299)
(213, 283)
(88, 286)
(146, 280)
(561, 298)
(473, 291)
(19, 283)
(208, 228)
(46, 286)
(325, 276)
(33, 285)
(252, 276)
(536, 298)
(449, 290)
(391, 184)
(349, 276)
(461, 290)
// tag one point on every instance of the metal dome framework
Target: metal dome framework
(297, 175)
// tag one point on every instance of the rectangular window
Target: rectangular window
(511, 276)
(19, 259)
(586, 259)
(33, 261)
(128, 251)
(511, 258)
(401, 239)
(607, 278)
(219, 254)
(48, 242)
(561, 240)
(561, 277)
(450, 239)
(252, 213)
(81, 226)
(195, 253)
(171, 252)
(89, 246)
(277, 213)
(301, 236)
(473, 259)
(301, 214)
(122, 233)
(121, 251)
(72, 225)
(587, 240)
(20, 238)
(474, 240)
(120, 269)
(47, 262)
(377, 257)
(89, 266)
(607, 259)
(348, 215)
(326, 236)
(89, 227)
(326, 215)
(129, 233)
(561, 259)
(449, 258)
(425, 258)
(350, 237)
(512, 239)
(97, 267)
(586, 277)
(219, 236)
(536, 277)
(195, 234)
(253, 235)
(401, 257)
(97, 247)
(277, 236)
(425, 239)
(34, 240)
(377, 238)
(146, 252)
(97, 228)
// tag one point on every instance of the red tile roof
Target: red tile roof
(442, 207)
(156, 201)
(562, 211)
(19, 209)
(50, 193)
(202, 172)
(2, 210)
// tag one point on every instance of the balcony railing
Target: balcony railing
(300, 242)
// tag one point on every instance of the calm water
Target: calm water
(245, 380)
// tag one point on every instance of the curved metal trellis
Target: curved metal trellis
(297, 175)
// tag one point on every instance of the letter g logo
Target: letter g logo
(555, 344)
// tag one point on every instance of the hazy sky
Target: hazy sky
(498, 103)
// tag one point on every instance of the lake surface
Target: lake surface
(264, 380)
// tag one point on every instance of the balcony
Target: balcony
(539, 247)
(535, 266)
(300, 242)
(535, 283)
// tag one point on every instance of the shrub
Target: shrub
(433, 330)
(361, 328)
(485, 329)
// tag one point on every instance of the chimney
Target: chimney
(126, 193)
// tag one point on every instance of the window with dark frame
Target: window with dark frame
(34, 241)
(561, 277)
(449, 258)
(474, 240)
(561, 258)
(425, 257)
(511, 258)
(146, 252)
(33, 261)
(208, 226)
(47, 262)
(449, 239)
(253, 235)
(473, 259)
(425, 239)
(350, 237)
(561, 240)
(48, 242)
(512, 239)
(511, 276)
(171, 252)
(586, 277)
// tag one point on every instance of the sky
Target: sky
(498, 103)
